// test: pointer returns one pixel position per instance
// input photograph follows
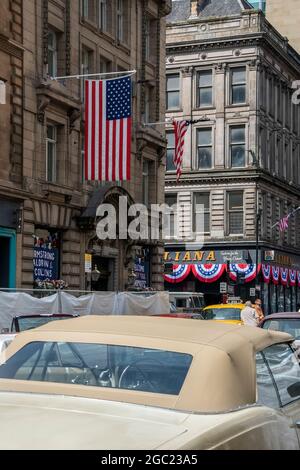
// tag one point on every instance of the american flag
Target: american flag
(108, 129)
(180, 128)
(284, 223)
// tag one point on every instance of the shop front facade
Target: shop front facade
(231, 275)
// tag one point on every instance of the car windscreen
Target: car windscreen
(28, 323)
(288, 325)
(227, 313)
(99, 365)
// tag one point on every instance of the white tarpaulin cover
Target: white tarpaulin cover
(100, 303)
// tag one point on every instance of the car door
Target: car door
(284, 367)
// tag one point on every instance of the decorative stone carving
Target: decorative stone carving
(43, 102)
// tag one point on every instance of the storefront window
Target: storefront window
(273, 298)
(265, 297)
(288, 299)
(280, 290)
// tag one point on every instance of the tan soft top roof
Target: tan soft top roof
(222, 375)
(174, 329)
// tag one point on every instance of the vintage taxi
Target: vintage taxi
(123, 382)
(225, 313)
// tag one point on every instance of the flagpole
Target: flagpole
(126, 73)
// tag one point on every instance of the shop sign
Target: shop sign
(269, 255)
(252, 292)
(141, 272)
(223, 287)
(88, 263)
(208, 257)
(45, 264)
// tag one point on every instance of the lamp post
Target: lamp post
(257, 227)
(95, 275)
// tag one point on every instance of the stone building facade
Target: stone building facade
(42, 162)
(285, 18)
(242, 163)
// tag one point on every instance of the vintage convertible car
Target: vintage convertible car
(123, 382)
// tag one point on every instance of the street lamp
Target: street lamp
(258, 219)
(95, 274)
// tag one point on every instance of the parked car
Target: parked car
(287, 322)
(5, 340)
(186, 302)
(225, 313)
(27, 322)
(123, 382)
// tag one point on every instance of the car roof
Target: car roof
(282, 315)
(225, 306)
(222, 375)
(151, 327)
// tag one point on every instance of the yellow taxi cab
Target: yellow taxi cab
(225, 313)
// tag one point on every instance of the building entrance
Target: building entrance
(7, 258)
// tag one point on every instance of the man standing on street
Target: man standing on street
(248, 315)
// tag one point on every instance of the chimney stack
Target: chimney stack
(196, 7)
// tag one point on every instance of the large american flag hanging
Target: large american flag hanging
(108, 129)
(180, 128)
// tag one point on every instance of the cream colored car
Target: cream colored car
(124, 382)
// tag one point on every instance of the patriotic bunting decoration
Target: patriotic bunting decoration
(284, 274)
(107, 129)
(180, 273)
(292, 277)
(298, 277)
(275, 274)
(266, 271)
(208, 272)
(248, 269)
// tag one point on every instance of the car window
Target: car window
(100, 365)
(229, 313)
(28, 323)
(285, 370)
(288, 325)
(266, 391)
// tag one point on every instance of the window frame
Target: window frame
(199, 88)
(234, 85)
(169, 148)
(230, 211)
(53, 142)
(53, 49)
(175, 90)
(206, 211)
(173, 217)
(211, 146)
(235, 144)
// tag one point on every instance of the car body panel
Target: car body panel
(224, 307)
(80, 423)
(215, 409)
(5, 340)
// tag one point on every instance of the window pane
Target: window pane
(235, 200)
(204, 157)
(202, 199)
(173, 99)
(238, 156)
(266, 392)
(236, 222)
(286, 371)
(205, 78)
(171, 199)
(205, 97)
(237, 135)
(173, 82)
(170, 161)
(238, 94)
(238, 75)
(204, 136)
(100, 365)
(171, 139)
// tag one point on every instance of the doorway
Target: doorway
(7, 258)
